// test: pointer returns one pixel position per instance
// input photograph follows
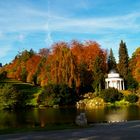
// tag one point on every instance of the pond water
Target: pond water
(42, 117)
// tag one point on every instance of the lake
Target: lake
(42, 117)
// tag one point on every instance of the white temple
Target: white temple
(114, 81)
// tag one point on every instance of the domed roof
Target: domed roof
(113, 74)
(112, 71)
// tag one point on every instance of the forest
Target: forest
(72, 69)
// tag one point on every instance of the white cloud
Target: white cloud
(21, 37)
(30, 19)
(49, 39)
(97, 25)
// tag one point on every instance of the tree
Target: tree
(57, 94)
(67, 63)
(44, 52)
(134, 64)
(11, 98)
(123, 61)
(63, 68)
(32, 68)
(132, 84)
(86, 55)
(111, 61)
(24, 74)
(98, 72)
(3, 75)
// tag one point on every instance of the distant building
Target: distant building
(114, 81)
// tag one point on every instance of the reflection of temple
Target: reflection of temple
(114, 81)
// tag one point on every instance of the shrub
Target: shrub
(11, 98)
(3, 75)
(111, 95)
(132, 98)
(7, 96)
(54, 94)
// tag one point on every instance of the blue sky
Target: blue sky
(26, 24)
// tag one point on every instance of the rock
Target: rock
(55, 106)
(81, 120)
(81, 104)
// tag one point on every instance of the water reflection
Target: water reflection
(42, 117)
(133, 113)
(51, 115)
(96, 115)
(117, 115)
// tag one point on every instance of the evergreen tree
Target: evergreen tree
(123, 61)
(111, 61)
(98, 74)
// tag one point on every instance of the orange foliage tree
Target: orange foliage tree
(134, 64)
(68, 63)
(62, 66)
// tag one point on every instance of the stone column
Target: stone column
(117, 84)
(123, 85)
(106, 84)
(120, 88)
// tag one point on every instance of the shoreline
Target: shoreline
(107, 131)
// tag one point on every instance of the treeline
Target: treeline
(81, 66)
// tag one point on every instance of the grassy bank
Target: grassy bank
(48, 127)
(27, 88)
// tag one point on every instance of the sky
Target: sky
(36, 24)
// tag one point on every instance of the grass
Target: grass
(27, 88)
(48, 127)
(122, 103)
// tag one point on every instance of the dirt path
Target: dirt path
(115, 131)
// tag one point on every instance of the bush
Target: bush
(111, 95)
(132, 98)
(3, 75)
(11, 98)
(54, 94)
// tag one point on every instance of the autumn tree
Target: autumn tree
(78, 50)
(134, 65)
(111, 61)
(62, 65)
(44, 52)
(84, 77)
(32, 68)
(85, 55)
(67, 63)
(17, 69)
(24, 74)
